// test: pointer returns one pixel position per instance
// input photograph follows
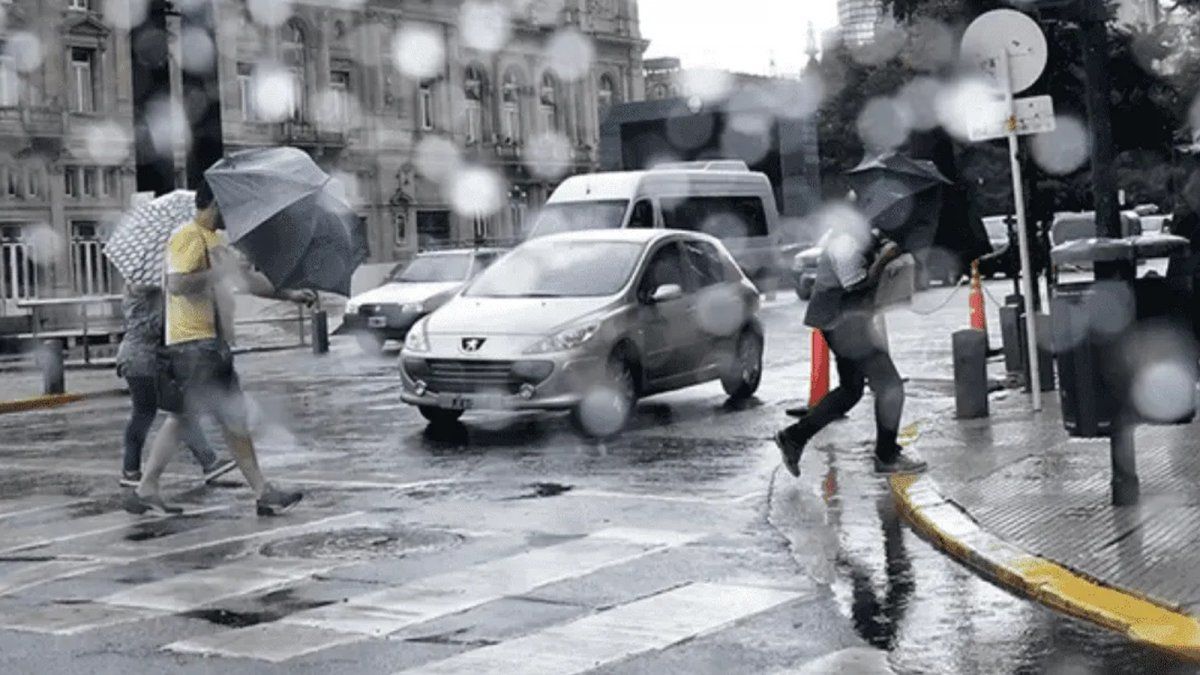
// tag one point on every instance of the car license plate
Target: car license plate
(377, 321)
(455, 402)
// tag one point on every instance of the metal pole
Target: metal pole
(1035, 376)
(1125, 486)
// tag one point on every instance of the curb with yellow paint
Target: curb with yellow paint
(51, 401)
(1128, 612)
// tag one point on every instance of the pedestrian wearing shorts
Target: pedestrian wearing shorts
(198, 330)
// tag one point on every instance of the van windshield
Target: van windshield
(577, 216)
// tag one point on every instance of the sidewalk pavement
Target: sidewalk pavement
(1018, 500)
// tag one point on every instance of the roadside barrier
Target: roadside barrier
(818, 382)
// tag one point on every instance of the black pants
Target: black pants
(144, 395)
(862, 359)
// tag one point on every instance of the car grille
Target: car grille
(452, 376)
(379, 309)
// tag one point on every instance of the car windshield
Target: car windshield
(435, 268)
(559, 269)
(577, 216)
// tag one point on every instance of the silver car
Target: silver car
(588, 322)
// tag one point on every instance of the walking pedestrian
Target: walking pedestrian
(137, 363)
(198, 330)
(843, 308)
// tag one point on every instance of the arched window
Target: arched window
(606, 95)
(295, 56)
(474, 88)
(510, 99)
(548, 102)
(660, 91)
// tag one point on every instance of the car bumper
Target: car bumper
(394, 326)
(570, 377)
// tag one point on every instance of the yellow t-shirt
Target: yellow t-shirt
(191, 317)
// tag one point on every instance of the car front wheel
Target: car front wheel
(744, 372)
(606, 409)
(439, 417)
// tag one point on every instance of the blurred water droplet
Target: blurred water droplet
(1164, 391)
(197, 51)
(26, 50)
(570, 54)
(485, 25)
(919, 99)
(274, 93)
(436, 158)
(125, 15)
(270, 13)
(44, 244)
(106, 142)
(747, 136)
(1063, 150)
(603, 411)
(477, 192)
(883, 125)
(169, 129)
(959, 106)
(419, 51)
(707, 84)
(720, 311)
(548, 156)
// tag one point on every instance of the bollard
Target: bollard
(978, 310)
(320, 332)
(818, 383)
(50, 358)
(970, 374)
(1010, 335)
(1126, 489)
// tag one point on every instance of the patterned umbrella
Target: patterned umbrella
(138, 243)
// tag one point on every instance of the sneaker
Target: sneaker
(130, 479)
(218, 469)
(791, 452)
(901, 464)
(137, 505)
(277, 502)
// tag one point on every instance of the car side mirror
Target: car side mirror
(666, 293)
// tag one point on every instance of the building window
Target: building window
(295, 54)
(91, 272)
(245, 80)
(108, 183)
(9, 81)
(510, 116)
(79, 5)
(71, 181)
(433, 228)
(83, 80)
(18, 271)
(339, 89)
(298, 94)
(548, 103)
(607, 95)
(400, 223)
(425, 106)
(90, 184)
(33, 180)
(474, 86)
(12, 182)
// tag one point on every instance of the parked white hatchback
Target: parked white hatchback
(588, 322)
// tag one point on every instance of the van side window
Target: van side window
(722, 217)
(642, 217)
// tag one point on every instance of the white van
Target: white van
(721, 198)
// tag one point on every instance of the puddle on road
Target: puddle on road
(279, 605)
(543, 490)
(363, 543)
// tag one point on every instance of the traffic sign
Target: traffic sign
(1006, 30)
(1033, 115)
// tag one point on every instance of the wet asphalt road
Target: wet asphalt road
(546, 533)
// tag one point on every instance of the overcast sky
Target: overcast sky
(738, 35)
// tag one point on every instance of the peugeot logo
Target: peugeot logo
(472, 345)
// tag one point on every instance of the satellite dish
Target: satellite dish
(1008, 30)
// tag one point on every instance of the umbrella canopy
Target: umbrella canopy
(137, 245)
(900, 196)
(283, 212)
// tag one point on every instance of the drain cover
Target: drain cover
(363, 543)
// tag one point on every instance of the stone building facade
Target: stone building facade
(66, 122)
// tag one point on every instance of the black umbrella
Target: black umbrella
(900, 196)
(282, 211)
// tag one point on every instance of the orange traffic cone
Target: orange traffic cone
(978, 314)
(818, 382)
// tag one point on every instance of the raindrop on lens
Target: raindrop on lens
(198, 54)
(274, 93)
(1164, 391)
(485, 26)
(548, 156)
(1063, 150)
(419, 51)
(125, 15)
(436, 157)
(882, 125)
(106, 143)
(26, 50)
(570, 54)
(270, 13)
(708, 85)
(477, 192)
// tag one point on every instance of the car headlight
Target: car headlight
(412, 307)
(564, 340)
(417, 340)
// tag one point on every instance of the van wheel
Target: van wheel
(605, 411)
(439, 417)
(744, 372)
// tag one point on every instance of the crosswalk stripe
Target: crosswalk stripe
(36, 574)
(384, 612)
(40, 535)
(17, 508)
(595, 641)
(196, 589)
(72, 619)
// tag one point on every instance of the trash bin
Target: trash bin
(1123, 349)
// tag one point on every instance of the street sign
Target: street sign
(1006, 31)
(1034, 115)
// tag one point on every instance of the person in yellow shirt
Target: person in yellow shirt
(199, 330)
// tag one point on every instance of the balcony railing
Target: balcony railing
(32, 122)
(305, 133)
